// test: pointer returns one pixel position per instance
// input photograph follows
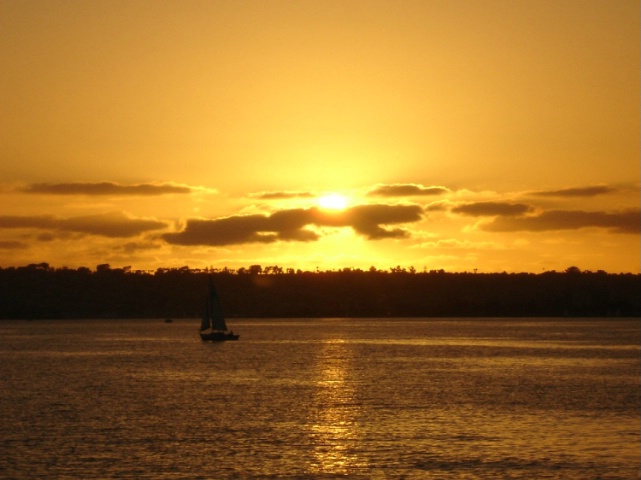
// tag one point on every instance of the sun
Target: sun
(333, 201)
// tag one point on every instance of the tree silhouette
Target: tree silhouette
(40, 291)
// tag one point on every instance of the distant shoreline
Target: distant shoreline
(40, 292)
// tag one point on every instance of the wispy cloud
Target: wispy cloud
(439, 206)
(280, 195)
(589, 191)
(406, 190)
(481, 209)
(371, 221)
(135, 247)
(113, 224)
(455, 243)
(105, 188)
(12, 245)
(618, 222)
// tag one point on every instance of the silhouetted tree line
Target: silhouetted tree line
(40, 291)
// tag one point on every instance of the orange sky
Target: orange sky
(498, 135)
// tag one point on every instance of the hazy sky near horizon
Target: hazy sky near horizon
(496, 135)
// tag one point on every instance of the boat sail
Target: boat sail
(213, 326)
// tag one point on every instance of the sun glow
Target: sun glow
(333, 201)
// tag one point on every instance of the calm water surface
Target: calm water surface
(308, 399)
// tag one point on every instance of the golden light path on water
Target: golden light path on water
(335, 426)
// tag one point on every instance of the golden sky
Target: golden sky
(496, 135)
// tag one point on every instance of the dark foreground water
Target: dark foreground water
(307, 399)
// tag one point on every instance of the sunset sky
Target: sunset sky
(498, 135)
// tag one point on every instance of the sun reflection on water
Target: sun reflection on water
(334, 426)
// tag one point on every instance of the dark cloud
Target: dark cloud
(482, 209)
(619, 222)
(591, 191)
(290, 225)
(406, 190)
(104, 188)
(224, 231)
(34, 221)
(112, 224)
(367, 219)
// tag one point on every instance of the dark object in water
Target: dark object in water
(213, 326)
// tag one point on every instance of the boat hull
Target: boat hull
(218, 336)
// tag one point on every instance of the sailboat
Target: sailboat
(213, 326)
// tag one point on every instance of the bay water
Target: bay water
(321, 399)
